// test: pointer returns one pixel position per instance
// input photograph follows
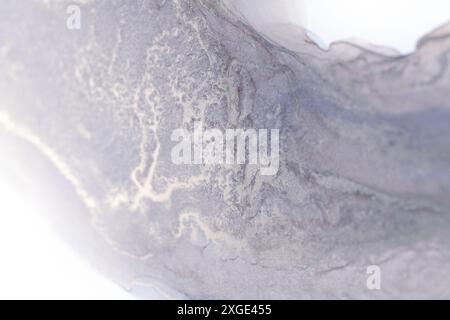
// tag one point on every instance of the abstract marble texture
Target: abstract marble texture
(364, 173)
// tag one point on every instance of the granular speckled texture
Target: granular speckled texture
(364, 174)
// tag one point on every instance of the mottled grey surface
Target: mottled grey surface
(365, 150)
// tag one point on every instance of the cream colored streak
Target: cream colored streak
(189, 218)
(24, 133)
(63, 168)
(152, 99)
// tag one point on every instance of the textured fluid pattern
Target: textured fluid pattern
(364, 174)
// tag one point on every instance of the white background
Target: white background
(394, 23)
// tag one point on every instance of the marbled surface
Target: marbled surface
(364, 174)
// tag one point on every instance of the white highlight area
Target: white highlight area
(397, 24)
(36, 264)
(262, 13)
